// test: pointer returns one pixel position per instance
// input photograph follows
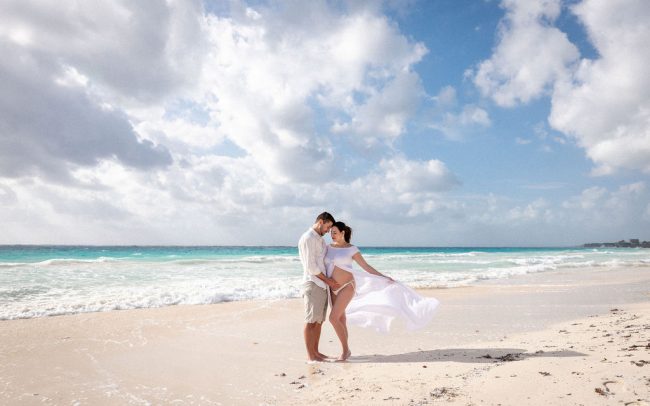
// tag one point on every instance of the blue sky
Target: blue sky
(433, 123)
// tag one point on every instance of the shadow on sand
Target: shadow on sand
(471, 355)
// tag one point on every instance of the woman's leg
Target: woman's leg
(344, 324)
(342, 319)
(337, 318)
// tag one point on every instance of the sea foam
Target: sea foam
(49, 281)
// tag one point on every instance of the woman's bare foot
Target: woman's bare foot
(344, 357)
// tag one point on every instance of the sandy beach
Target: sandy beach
(578, 337)
(175, 175)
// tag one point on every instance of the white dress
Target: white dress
(339, 257)
(377, 300)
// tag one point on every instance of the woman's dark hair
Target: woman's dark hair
(347, 231)
(325, 216)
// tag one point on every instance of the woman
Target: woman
(369, 298)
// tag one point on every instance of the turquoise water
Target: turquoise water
(38, 281)
(36, 253)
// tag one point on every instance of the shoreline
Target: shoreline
(166, 277)
(237, 352)
(498, 281)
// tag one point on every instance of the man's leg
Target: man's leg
(332, 298)
(310, 341)
(313, 319)
(323, 309)
(317, 330)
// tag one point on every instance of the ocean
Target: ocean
(38, 281)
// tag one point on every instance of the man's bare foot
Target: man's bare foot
(315, 358)
(323, 356)
(344, 356)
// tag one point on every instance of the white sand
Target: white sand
(567, 347)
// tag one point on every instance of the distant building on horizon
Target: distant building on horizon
(632, 243)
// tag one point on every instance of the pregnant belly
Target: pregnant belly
(341, 276)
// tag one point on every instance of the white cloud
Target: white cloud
(614, 211)
(537, 210)
(269, 79)
(456, 126)
(259, 76)
(605, 106)
(596, 214)
(543, 136)
(415, 189)
(172, 126)
(70, 71)
(47, 128)
(589, 199)
(134, 50)
(446, 98)
(275, 75)
(530, 55)
(418, 176)
(7, 195)
(456, 123)
(384, 115)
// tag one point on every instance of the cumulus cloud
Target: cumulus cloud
(418, 176)
(277, 71)
(7, 195)
(589, 198)
(237, 105)
(605, 104)
(539, 209)
(530, 54)
(600, 200)
(600, 103)
(414, 189)
(134, 50)
(45, 126)
(184, 125)
(383, 117)
(609, 214)
(595, 214)
(68, 71)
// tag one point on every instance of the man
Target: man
(311, 248)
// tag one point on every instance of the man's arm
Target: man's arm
(313, 266)
(317, 264)
(329, 281)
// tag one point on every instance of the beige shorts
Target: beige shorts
(315, 299)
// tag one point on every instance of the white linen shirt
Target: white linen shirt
(312, 249)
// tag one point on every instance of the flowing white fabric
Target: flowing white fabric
(378, 301)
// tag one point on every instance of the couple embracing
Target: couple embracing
(364, 297)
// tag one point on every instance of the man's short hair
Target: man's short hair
(325, 216)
